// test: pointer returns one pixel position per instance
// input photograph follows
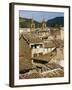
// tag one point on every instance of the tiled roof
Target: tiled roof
(53, 65)
(54, 43)
(59, 43)
(46, 57)
(55, 32)
(58, 57)
(54, 73)
(49, 44)
(32, 38)
(30, 75)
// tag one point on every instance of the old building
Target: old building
(59, 57)
(42, 60)
(41, 51)
(56, 34)
(43, 32)
(35, 43)
(24, 55)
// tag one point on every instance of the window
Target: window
(40, 54)
(38, 46)
(35, 55)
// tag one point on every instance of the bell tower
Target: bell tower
(32, 25)
(43, 24)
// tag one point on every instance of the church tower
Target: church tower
(43, 24)
(32, 25)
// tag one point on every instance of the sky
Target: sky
(39, 15)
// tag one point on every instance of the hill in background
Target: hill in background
(56, 21)
(26, 23)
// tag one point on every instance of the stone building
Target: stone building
(35, 43)
(59, 57)
(56, 33)
(40, 46)
(24, 55)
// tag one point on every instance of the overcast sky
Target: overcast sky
(38, 15)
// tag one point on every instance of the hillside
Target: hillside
(26, 23)
(56, 21)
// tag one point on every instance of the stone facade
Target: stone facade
(24, 55)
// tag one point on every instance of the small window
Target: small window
(40, 54)
(32, 46)
(35, 55)
(40, 46)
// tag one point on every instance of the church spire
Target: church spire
(43, 23)
(32, 24)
